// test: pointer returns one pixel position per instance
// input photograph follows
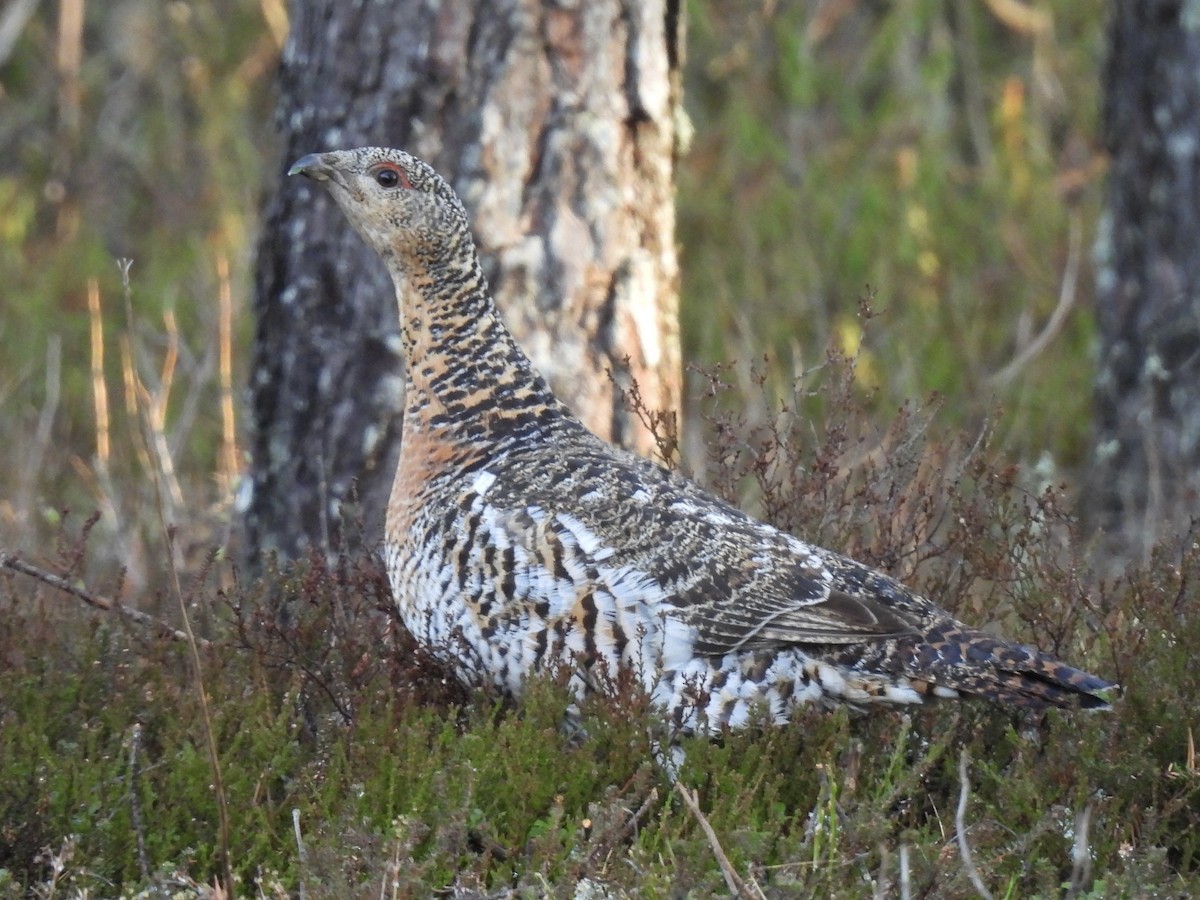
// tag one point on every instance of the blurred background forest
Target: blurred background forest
(935, 157)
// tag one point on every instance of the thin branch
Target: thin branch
(1066, 300)
(392, 872)
(960, 827)
(69, 59)
(905, 874)
(228, 468)
(276, 16)
(733, 881)
(1023, 18)
(99, 384)
(303, 853)
(12, 24)
(8, 561)
(41, 442)
(135, 803)
(155, 405)
(882, 886)
(1081, 854)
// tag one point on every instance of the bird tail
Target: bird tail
(954, 658)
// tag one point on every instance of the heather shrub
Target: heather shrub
(350, 759)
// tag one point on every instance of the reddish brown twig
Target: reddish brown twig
(15, 564)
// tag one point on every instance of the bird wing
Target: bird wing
(777, 620)
(739, 583)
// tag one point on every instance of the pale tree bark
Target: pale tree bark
(1145, 472)
(555, 122)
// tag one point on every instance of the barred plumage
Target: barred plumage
(517, 540)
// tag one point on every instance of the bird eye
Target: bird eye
(387, 178)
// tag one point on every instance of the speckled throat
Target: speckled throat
(468, 379)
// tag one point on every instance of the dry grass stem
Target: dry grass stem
(155, 403)
(130, 382)
(69, 59)
(42, 435)
(737, 886)
(301, 853)
(99, 385)
(960, 825)
(1081, 854)
(275, 14)
(1023, 18)
(135, 803)
(13, 20)
(210, 734)
(882, 885)
(228, 467)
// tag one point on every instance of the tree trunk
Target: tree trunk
(1145, 478)
(556, 125)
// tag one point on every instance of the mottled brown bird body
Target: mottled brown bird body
(518, 541)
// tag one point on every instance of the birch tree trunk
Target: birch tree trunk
(555, 122)
(1145, 471)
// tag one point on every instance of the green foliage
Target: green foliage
(925, 152)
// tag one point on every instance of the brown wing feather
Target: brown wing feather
(801, 610)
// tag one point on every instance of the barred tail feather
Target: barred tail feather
(980, 665)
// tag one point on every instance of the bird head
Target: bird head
(397, 203)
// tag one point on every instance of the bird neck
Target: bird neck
(467, 376)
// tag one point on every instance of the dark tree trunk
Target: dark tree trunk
(1145, 478)
(555, 123)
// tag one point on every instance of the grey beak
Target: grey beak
(313, 165)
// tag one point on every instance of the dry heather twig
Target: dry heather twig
(15, 564)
